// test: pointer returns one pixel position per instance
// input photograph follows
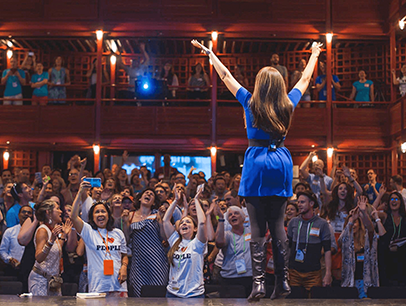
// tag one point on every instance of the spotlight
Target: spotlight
(330, 152)
(314, 158)
(145, 86)
(9, 44)
(113, 46)
(9, 54)
(329, 37)
(6, 155)
(402, 23)
(99, 34)
(96, 149)
(403, 147)
(213, 150)
(214, 35)
(113, 59)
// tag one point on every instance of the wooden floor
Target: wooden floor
(71, 301)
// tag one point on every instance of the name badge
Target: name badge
(299, 256)
(240, 266)
(152, 217)
(366, 85)
(14, 84)
(314, 232)
(175, 285)
(39, 80)
(360, 257)
(108, 267)
(247, 237)
(58, 83)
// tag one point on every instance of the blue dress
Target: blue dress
(265, 173)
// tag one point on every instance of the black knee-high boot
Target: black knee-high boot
(281, 257)
(258, 260)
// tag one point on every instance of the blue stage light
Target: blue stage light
(145, 86)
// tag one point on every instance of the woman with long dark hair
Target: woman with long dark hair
(267, 175)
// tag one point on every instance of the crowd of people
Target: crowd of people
(144, 229)
(31, 81)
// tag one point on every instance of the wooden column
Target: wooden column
(213, 104)
(113, 64)
(329, 104)
(394, 157)
(392, 52)
(99, 74)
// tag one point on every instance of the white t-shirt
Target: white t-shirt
(403, 193)
(186, 273)
(96, 254)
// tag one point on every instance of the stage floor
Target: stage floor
(71, 301)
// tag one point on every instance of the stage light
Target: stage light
(10, 44)
(329, 37)
(113, 46)
(403, 147)
(214, 35)
(6, 155)
(9, 54)
(113, 59)
(213, 150)
(145, 86)
(330, 152)
(96, 149)
(314, 158)
(402, 23)
(99, 34)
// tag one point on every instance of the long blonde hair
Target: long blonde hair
(270, 105)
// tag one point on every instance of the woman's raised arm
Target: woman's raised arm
(224, 74)
(304, 81)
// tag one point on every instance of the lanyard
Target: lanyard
(309, 226)
(106, 242)
(235, 248)
(394, 227)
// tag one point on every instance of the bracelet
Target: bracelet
(378, 220)
(221, 220)
(46, 249)
(50, 243)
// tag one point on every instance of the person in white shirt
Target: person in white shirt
(11, 251)
(188, 248)
(236, 268)
(106, 248)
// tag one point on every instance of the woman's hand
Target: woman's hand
(354, 214)
(211, 208)
(122, 274)
(125, 215)
(67, 227)
(374, 213)
(199, 45)
(84, 186)
(362, 203)
(218, 212)
(382, 190)
(55, 232)
(316, 48)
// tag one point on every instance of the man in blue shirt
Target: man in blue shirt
(22, 194)
(372, 188)
(321, 84)
(13, 78)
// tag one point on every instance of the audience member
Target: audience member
(102, 251)
(198, 83)
(22, 195)
(401, 81)
(363, 90)
(92, 76)
(296, 76)
(13, 78)
(11, 251)
(220, 188)
(171, 80)
(321, 85)
(282, 69)
(145, 231)
(396, 183)
(39, 82)
(314, 179)
(59, 78)
(308, 234)
(188, 248)
(291, 212)
(372, 187)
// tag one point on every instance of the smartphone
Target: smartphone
(200, 188)
(94, 181)
(30, 53)
(38, 177)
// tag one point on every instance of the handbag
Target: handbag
(54, 281)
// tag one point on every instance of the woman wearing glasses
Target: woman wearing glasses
(392, 264)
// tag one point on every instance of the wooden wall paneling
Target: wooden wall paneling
(402, 166)
(395, 119)
(183, 121)
(125, 10)
(362, 162)
(22, 11)
(231, 122)
(24, 159)
(350, 126)
(309, 122)
(71, 10)
(186, 8)
(16, 120)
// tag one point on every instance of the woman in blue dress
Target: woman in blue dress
(267, 175)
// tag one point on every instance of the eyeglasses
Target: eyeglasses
(394, 199)
(26, 212)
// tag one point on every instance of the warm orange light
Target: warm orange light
(330, 152)
(113, 59)
(329, 37)
(314, 158)
(214, 35)
(96, 149)
(6, 156)
(99, 34)
(9, 54)
(213, 151)
(403, 147)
